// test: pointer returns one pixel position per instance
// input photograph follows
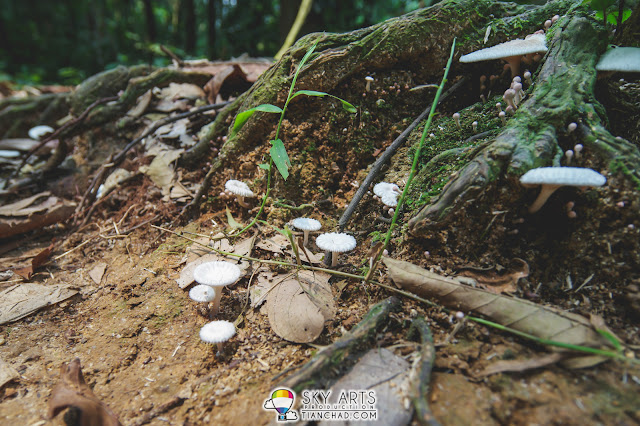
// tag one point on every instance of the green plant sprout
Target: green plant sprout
(602, 7)
(277, 152)
(416, 156)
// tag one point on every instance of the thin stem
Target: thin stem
(416, 156)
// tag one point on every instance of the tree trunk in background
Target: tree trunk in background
(150, 21)
(189, 26)
(211, 25)
(288, 12)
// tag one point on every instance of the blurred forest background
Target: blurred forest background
(66, 41)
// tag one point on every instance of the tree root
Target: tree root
(315, 372)
(563, 93)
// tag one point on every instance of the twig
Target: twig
(385, 157)
(421, 373)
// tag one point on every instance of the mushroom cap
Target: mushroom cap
(39, 131)
(626, 59)
(216, 274)
(385, 188)
(389, 199)
(561, 176)
(217, 331)
(306, 224)
(336, 242)
(368, 78)
(531, 44)
(202, 293)
(238, 188)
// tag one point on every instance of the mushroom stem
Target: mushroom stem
(514, 64)
(216, 302)
(220, 346)
(306, 237)
(241, 201)
(334, 259)
(545, 193)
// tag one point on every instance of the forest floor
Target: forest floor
(135, 330)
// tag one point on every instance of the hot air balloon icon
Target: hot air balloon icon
(282, 400)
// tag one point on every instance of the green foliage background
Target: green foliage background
(66, 41)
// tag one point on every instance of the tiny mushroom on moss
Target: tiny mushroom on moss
(369, 80)
(217, 332)
(217, 275)
(510, 51)
(335, 243)
(387, 193)
(240, 190)
(306, 225)
(552, 178)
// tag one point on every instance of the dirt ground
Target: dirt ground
(135, 330)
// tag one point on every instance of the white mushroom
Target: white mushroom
(335, 243)
(306, 225)
(387, 193)
(552, 178)
(202, 293)
(368, 79)
(216, 275)
(240, 190)
(39, 131)
(511, 51)
(217, 332)
(623, 59)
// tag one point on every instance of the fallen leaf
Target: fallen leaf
(232, 74)
(97, 272)
(520, 365)
(541, 321)
(24, 299)
(299, 306)
(72, 391)
(36, 262)
(141, 104)
(264, 281)
(498, 281)
(232, 222)
(7, 373)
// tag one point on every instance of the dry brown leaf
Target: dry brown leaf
(299, 306)
(496, 281)
(141, 105)
(72, 391)
(229, 75)
(520, 365)
(23, 299)
(97, 272)
(7, 373)
(36, 262)
(262, 284)
(541, 321)
(34, 212)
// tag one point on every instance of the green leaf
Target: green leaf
(264, 166)
(242, 118)
(309, 93)
(232, 222)
(346, 105)
(280, 157)
(611, 338)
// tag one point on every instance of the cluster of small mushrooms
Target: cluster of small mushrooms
(213, 276)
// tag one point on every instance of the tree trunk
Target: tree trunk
(150, 21)
(189, 26)
(211, 26)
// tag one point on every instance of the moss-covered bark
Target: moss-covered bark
(562, 93)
